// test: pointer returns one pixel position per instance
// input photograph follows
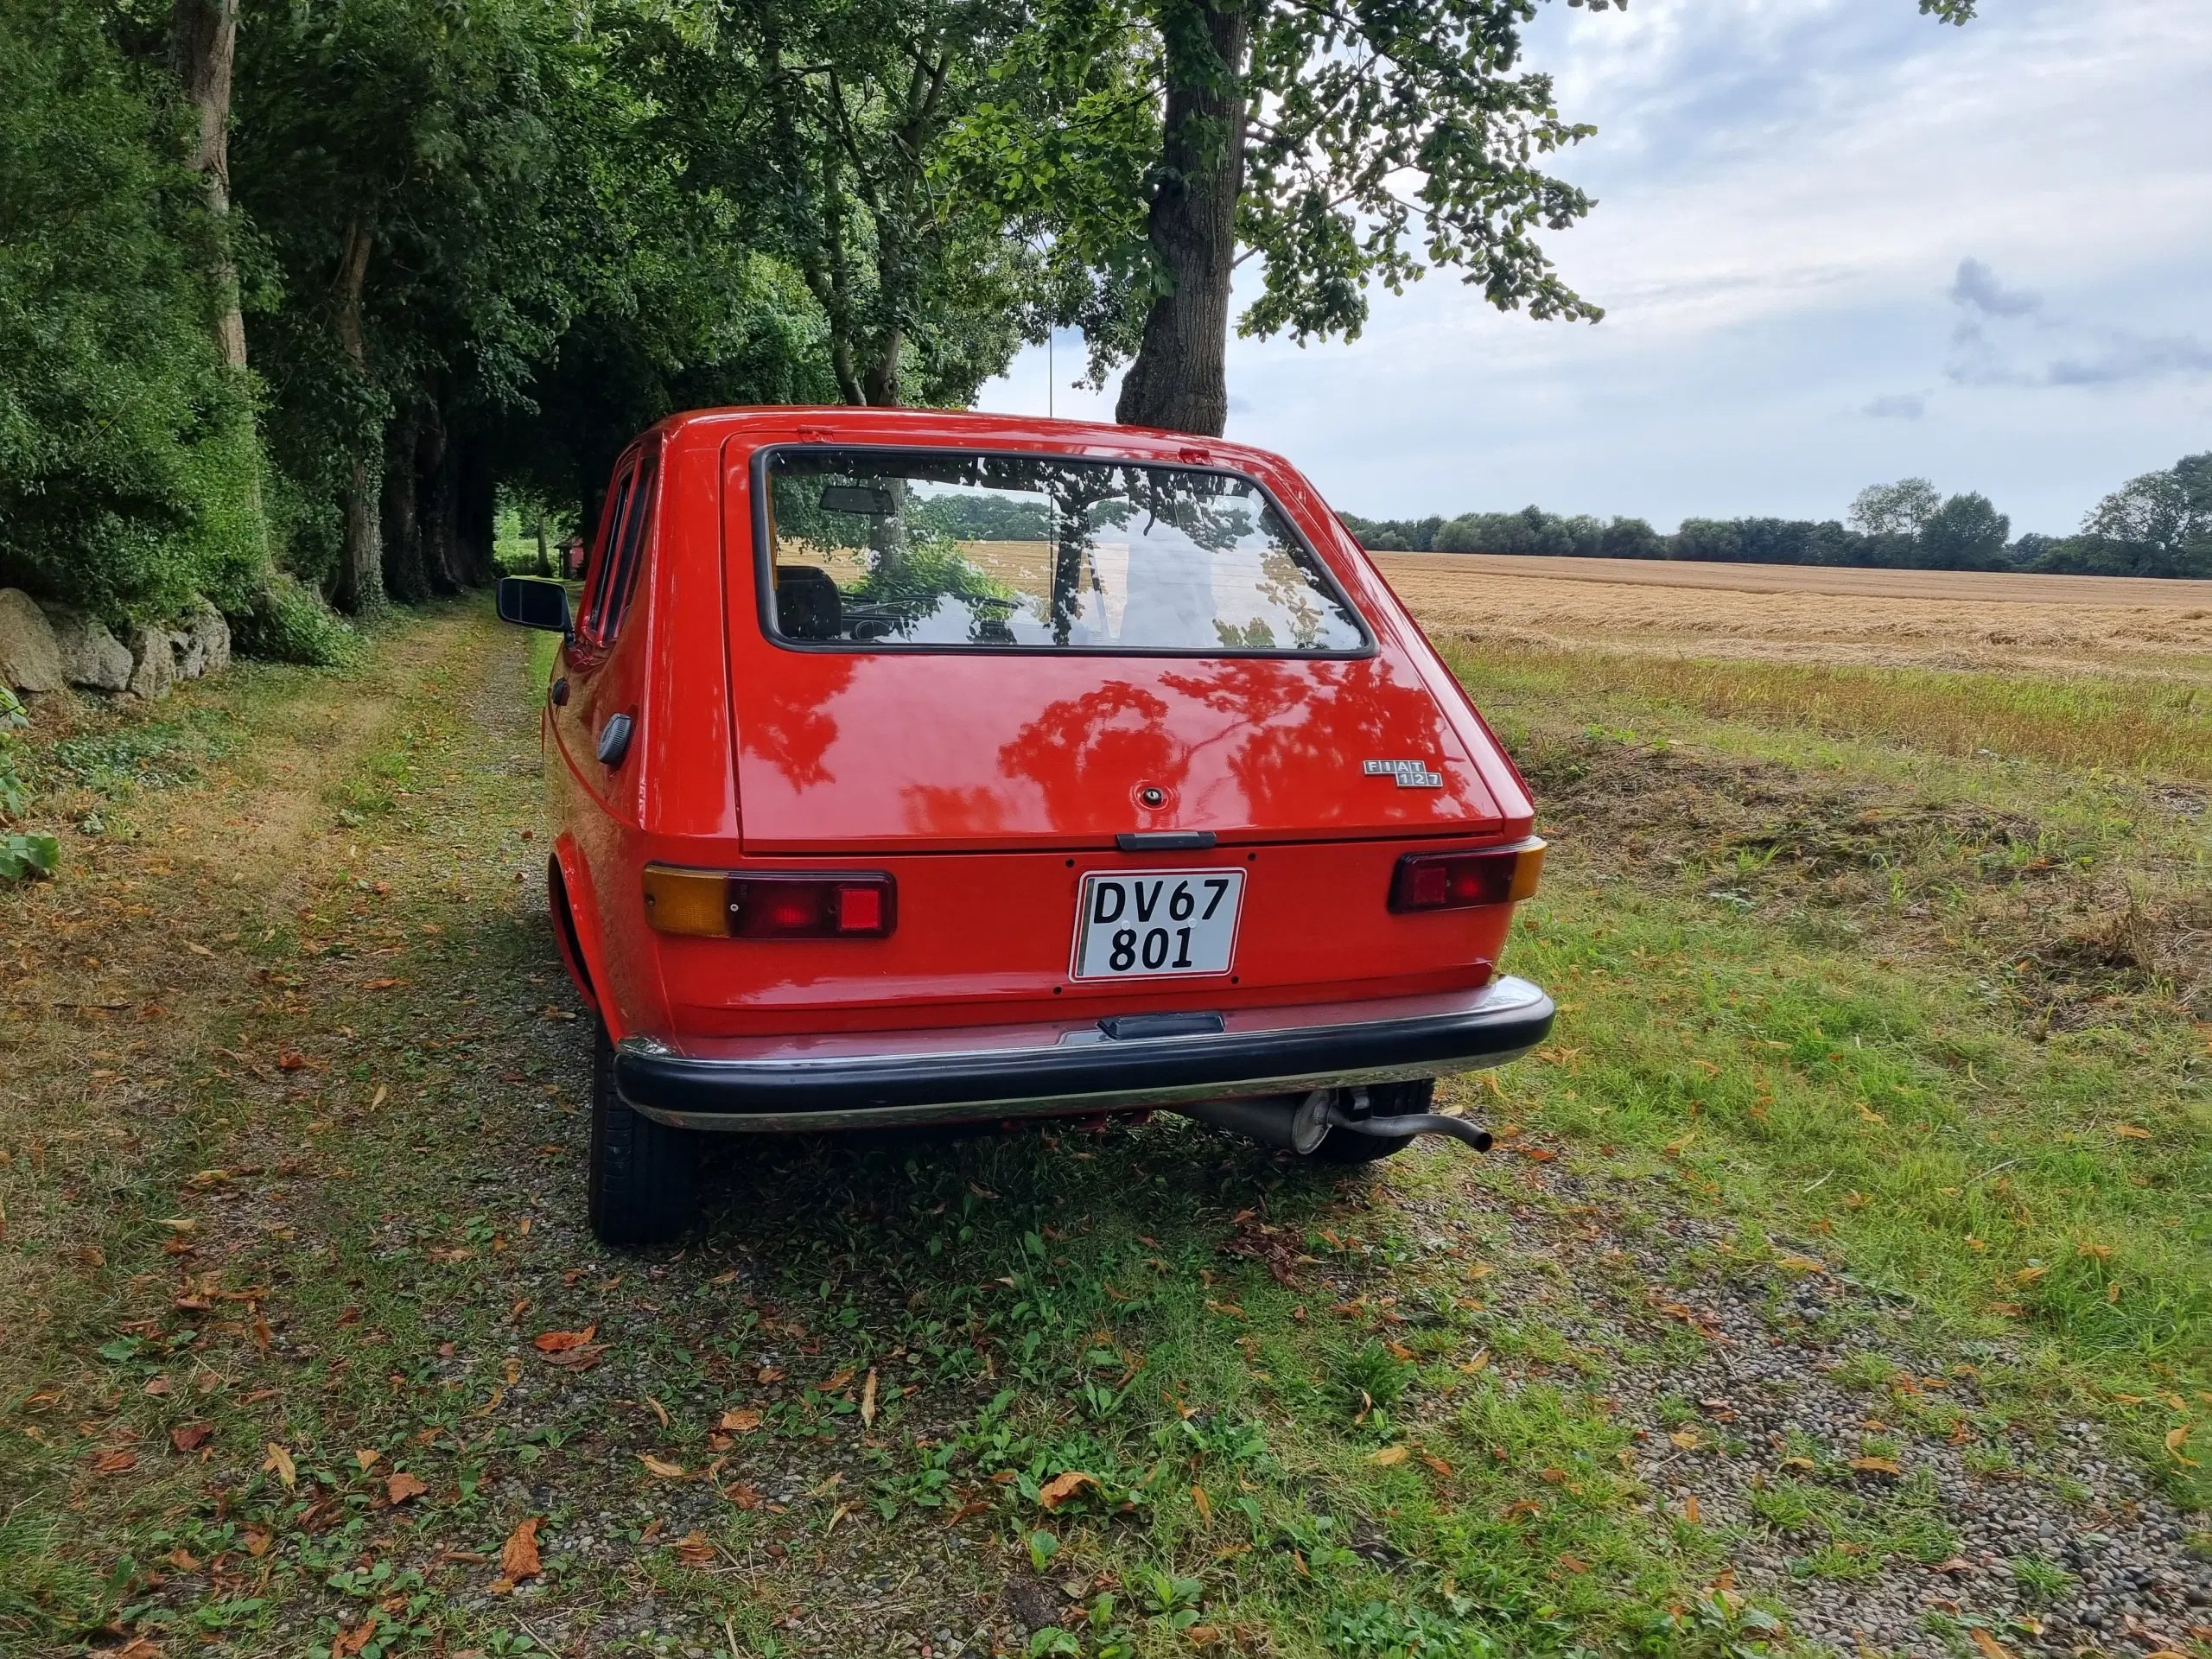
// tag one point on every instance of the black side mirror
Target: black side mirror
(534, 603)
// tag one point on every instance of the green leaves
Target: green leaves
(27, 855)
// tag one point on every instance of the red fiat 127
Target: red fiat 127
(913, 767)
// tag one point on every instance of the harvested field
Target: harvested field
(1888, 619)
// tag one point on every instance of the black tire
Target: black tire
(1383, 1100)
(638, 1188)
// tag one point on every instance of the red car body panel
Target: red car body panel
(988, 783)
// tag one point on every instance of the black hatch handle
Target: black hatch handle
(1135, 1027)
(1165, 841)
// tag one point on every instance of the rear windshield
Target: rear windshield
(939, 548)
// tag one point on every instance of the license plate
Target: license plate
(1156, 924)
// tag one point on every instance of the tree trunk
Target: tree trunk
(1178, 380)
(360, 566)
(476, 513)
(881, 388)
(405, 579)
(544, 553)
(439, 485)
(203, 45)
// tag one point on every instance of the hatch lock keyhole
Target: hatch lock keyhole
(1152, 795)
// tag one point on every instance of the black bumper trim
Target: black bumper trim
(1378, 1041)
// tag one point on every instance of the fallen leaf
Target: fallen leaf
(346, 1643)
(1685, 1437)
(2130, 1132)
(518, 1555)
(258, 1540)
(693, 1549)
(745, 1496)
(665, 1470)
(1990, 1646)
(402, 1486)
(1877, 1465)
(191, 1437)
(867, 1401)
(2029, 1275)
(1552, 1477)
(1957, 1563)
(279, 1461)
(1060, 1488)
(1480, 1362)
(1801, 1264)
(578, 1359)
(1437, 1465)
(183, 1560)
(1388, 1456)
(740, 1422)
(1573, 1564)
(1690, 1512)
(557, 1342)
(1520, 1507)
(1204, 1503)
(768, 1374)
(115, 1462)
(2177, 1438)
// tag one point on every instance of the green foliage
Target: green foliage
(128, 467)
(288, 622)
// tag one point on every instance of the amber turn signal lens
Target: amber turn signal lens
(687, 901)
(1495, 876)
(720, 904)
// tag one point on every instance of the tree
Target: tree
(1898, 509)
(1966, 533)
(818, 127)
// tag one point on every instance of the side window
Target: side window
(596, 586)
(628, 556)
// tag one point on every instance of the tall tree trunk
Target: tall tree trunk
(203, 45)
(544, 553)
(361, 565)
(881, 387)
(1178, 380)
(441, 555)
(476, 512)
(405, 578)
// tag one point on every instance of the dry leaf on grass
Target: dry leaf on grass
(518, 1555)
(740, 1422)
(559, 1342)
(1388, 1455)
(137, 1646)
(1438, 1466)
(346, 1643)
(279, 1462)
(402, 1486)
(693, 1549)
(1685, 1437)
(867, 1401)
(1990, 1646)
(366, 1459)
(745, 1496)
(258, 1540)
(2177, 1438)
(1204, 1504)
(1057, 1490)
(1690, 1510)
(115, 1461)
(665, 1470)
(191, 1437)
(2129, 1131)
(1877, 1465)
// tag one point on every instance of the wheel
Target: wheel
(639, 1189)
(1383, 1100)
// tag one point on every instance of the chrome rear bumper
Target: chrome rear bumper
(853, 1080)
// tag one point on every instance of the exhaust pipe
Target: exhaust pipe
(1298, 1123)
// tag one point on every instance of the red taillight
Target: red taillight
(1495, 876)
(714, 903)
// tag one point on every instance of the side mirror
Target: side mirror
(535, 603)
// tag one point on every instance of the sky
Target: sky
(1838, 244)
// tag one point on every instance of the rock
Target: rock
(205, 626)
(91, 656)
(153, 658)
(190, 654)
(29, 658)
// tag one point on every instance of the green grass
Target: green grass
(1366, 1419)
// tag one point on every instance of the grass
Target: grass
(1185, 1397)
(2083, 721)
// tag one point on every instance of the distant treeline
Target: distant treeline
(2160, 524)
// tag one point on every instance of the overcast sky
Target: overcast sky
(1838, 243)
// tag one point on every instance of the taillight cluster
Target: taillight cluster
(715, 904)
(1492, 875)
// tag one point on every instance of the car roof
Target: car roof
(836, 421)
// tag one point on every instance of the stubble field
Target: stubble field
(1842, 1283)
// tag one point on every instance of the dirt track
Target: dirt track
(1876, 618)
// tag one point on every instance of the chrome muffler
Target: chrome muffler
(1299, 1122)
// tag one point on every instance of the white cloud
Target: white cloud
(1787, 191)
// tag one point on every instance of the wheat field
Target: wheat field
(1789, 613)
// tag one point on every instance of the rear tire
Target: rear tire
(1383, 1100)
(638, 1188)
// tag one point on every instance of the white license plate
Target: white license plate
(1156, 924)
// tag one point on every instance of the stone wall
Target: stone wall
(46, 647)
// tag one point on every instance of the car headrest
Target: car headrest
(808, 604)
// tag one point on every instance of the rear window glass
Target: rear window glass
(943, 549)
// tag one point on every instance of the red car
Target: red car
(913, 767)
